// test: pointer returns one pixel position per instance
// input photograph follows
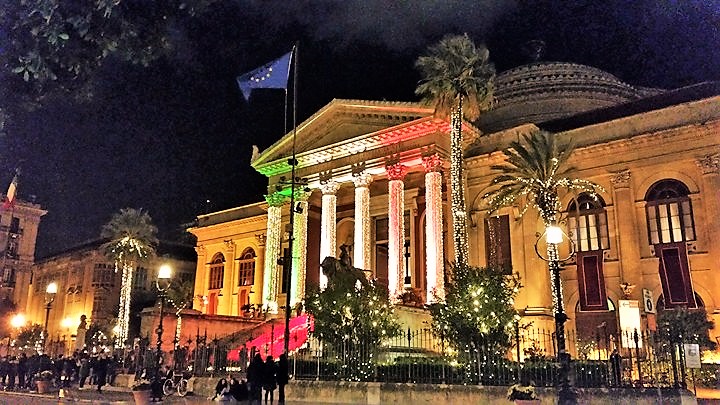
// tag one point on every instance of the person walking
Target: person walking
(269, 379)
(282, 378)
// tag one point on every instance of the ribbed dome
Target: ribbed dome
(544, 91)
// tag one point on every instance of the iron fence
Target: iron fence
(420, 356)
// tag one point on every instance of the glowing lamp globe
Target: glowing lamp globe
(52, 288)
(18, 321)
(553, 235)
(165, 272)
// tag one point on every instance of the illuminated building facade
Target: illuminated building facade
(89, 285)
(18, 233)
(377, 175)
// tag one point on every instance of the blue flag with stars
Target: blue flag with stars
(272, 75)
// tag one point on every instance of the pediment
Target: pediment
(341, 121)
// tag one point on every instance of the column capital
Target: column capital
(261, 238)
(709, 163)
(362, 179)
(329, 188)
(620, 179)
(275, 199)
(432, 163)
(396, 171)
(302, 195)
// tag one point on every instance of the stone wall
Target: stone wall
(341, 392)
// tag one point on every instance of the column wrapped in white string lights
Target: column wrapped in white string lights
(328, 231)
(362, 248)
(433, 229)
(272, 251)
(299, 254)
(396, 228)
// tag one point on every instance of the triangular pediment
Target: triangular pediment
(340, 121)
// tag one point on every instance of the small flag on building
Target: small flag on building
(272, 75)
(10, 195)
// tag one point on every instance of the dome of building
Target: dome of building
(543, 91)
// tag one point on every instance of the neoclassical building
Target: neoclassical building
(377, 177)
(18, 233)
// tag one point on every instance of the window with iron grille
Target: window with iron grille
(587, 223)
(217, 272)
(103, 275)
(246, 268)
(669, 213)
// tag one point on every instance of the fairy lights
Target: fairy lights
(272, 249)
(362, 248)
(328, 231)
(459, 217)
(433, 229)
(299, 254)
(124, 307)
(396, 227)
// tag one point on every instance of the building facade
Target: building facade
(377, 176)
(18, 233)
(89, 285)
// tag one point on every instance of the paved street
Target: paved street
(104, 398)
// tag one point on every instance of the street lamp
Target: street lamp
(162, 284)
(554, 236)
(50, 292)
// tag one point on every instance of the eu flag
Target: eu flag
(272, 75)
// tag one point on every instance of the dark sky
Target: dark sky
(170, 136)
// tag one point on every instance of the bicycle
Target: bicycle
(177, 383)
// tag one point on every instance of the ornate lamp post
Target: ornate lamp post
(554, 236)
(50, 292)
(162, 284)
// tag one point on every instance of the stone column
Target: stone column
(362, 249)
(627, 235)
(710, 168)
(272, 251)
(434, 272)
(299, 253)
(328, 231)
(396, 228)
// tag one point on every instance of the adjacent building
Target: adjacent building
(18, 233)
(377, 177)
(89, 285)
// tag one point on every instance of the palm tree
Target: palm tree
(132, 239)
(534, 175)
(457, 78)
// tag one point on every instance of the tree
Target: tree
(132, 239)
(478, 310)
(457, 78)
(180, 296)
(682, 325)
(353, 316)
(55, 46)
(534, 174)
(30, 336)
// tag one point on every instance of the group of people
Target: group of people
(19, 373)
(262, 377)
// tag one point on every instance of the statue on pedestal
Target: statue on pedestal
(80, 336)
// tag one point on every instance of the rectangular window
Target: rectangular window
(670, 222)
(139, 278)
(246, 273)
(497, 243)
(15, 225)
(216, 278)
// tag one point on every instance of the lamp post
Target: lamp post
(162, 284)
(50, 292)
(554, 236)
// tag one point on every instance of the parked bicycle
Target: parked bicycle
(176, 383)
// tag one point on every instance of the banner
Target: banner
(629, 312)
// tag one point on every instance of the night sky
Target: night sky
(170, 136)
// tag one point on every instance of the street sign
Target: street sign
(648, 301)
(692, 355)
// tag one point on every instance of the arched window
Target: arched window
(246, 268)
(217, 272)
(669, 213)
(587, 223)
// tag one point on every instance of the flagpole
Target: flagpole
(293, 182)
